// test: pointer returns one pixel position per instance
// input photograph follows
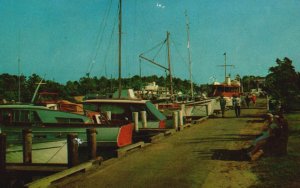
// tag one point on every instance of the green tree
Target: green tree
(282, 83)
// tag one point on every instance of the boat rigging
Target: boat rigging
(167, 41)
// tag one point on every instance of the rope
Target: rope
(56, 152)
(161, 43)
(181, 56)
(100, 35)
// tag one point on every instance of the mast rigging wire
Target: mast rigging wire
(100, 35)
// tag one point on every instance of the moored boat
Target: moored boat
(123, 107)
(50, 129)
(227, 89)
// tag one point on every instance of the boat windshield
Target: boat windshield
(23, 116)
(124, 110)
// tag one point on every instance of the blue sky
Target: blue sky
(65, 39)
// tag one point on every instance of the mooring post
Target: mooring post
(72, 150)
(268, 107)
(92, 142)
(206, 108)
(182, 108)
(181, 120)
(27, 146)
(175, 120)
(156, 106)
(144, 119)
(3, 179)
(136, 121)
(2, 153)
(108, 115)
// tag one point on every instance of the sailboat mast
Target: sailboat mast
(19, 70)
(189, 53)
(120, 47)
(225, 65)
(169, 64)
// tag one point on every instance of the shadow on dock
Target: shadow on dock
(230, 155)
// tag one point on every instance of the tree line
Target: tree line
(10, 85)
(282, 84)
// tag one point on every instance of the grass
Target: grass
(282, 171)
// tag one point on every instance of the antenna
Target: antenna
(225, 65)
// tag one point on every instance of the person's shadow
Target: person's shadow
(230, 155)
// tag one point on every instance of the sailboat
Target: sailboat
(191, 106)
(123, 102)
(50, 128)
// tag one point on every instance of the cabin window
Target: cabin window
(116, 109)
(68, 120)
(34, 117)
(90, 107)
(22, 116)
(19, 116)
(6, 116)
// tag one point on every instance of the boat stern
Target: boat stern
(125, 135)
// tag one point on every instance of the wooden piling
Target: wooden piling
(175, 120)
(2, 152)
(182, 108)
(136, 121)
(144, 119)
(268, 107)
(92, 143)
(27, 146)
(206, 108)
(3, 179)
(181, 120)
(72, 150)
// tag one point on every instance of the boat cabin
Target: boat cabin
(122, 109)
(37, 115)
(226, 90)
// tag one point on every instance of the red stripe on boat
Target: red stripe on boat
(162, 124)
(125, 135)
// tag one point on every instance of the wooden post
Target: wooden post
(182, 108)
(72, 150)
(27, 146)
(4, 178)
(136, 121)
(144, 119)
(268, 107)
(156, 106)
(175, 120)
(2, 152)
(108, 115)
(92, 143)
(181, 120)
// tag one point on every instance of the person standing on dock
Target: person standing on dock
(248, 99)
(236, 103)
(222, 105)
(253, 98)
